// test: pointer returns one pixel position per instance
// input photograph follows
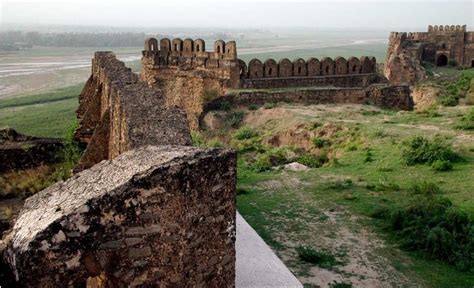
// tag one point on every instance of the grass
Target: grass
(44, 115)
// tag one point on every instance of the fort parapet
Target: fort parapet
(185, 72)
(441, 45)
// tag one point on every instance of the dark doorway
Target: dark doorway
(472, 63)
(442, 60)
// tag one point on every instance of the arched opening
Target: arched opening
(270, 71)
(354, 68)
(472, 63)
(218, 49)
(176, 47)
(197, 48)
(152, 47)
(327, 69)
(442, 60)
(299, 70)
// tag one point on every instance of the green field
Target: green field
(45, 115)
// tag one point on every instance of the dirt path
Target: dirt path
(362, 255)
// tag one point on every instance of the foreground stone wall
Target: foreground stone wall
(118, 112)
(155, 216)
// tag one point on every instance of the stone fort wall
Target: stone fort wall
(441, 45)
(185, 72)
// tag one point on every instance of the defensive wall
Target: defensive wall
(185, 72)
(441, 45)
(147, 210)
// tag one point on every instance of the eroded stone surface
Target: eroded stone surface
(153, 216)
(118, 112)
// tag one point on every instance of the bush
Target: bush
(235, 119)
(432, 225)
(424, 188)
(312, 161)
(467, 121)
(262, 163)
(225, 105)
(269, 105)
(245, 133)
(253, 107)
(198, 139)
(420, 150)
(369, 156)
(311, 255)
(320, 142)
(442, 165)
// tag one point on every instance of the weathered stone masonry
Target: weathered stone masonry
(185, 72)
(440, 45)
(118, 112)
(155, 216)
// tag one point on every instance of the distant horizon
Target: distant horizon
(139, 14)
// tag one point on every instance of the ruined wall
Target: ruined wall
(442, 45)
(152, 217)
(118, 112)
(300, 68)
(382, 95)
(185, 72)
(359, 80)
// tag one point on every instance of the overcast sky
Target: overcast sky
(235, 14)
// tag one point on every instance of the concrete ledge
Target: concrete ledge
(257, 265)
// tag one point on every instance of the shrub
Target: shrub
(340, 285)
(225, 105)
(420, 150)
(68, 156)
(262, 163)
(269, 105)
(311, 255)
(369, 156)
(442, 165)
(312, 161)
(253, 107)
(245, 133)
(433, 226)
(320, 142)
(198, 139)
(467, 121)
(424, 188)
(235, 119)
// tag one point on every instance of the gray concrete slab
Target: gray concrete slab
(257, 265)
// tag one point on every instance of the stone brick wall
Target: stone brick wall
(382, 95)
(440, 45)
(360, 80)
(152, 217)
(118, 112)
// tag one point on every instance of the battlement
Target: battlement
(310, 68)
(189, 48)
(447, 28)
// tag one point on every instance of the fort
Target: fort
(440, 45)
(144, 207)
(185, 71)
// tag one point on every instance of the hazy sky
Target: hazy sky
(228, 14)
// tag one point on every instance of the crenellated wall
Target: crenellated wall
(312, 67)
(441, 45)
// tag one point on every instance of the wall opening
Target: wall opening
(442, 60)
(327, 69)
(152, 47)
(354, 68)
(176, 47)
(472, 63)
(218, 49)
(197, 48)
(270, 71)
(299, 70)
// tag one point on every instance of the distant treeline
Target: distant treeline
(17, 40)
